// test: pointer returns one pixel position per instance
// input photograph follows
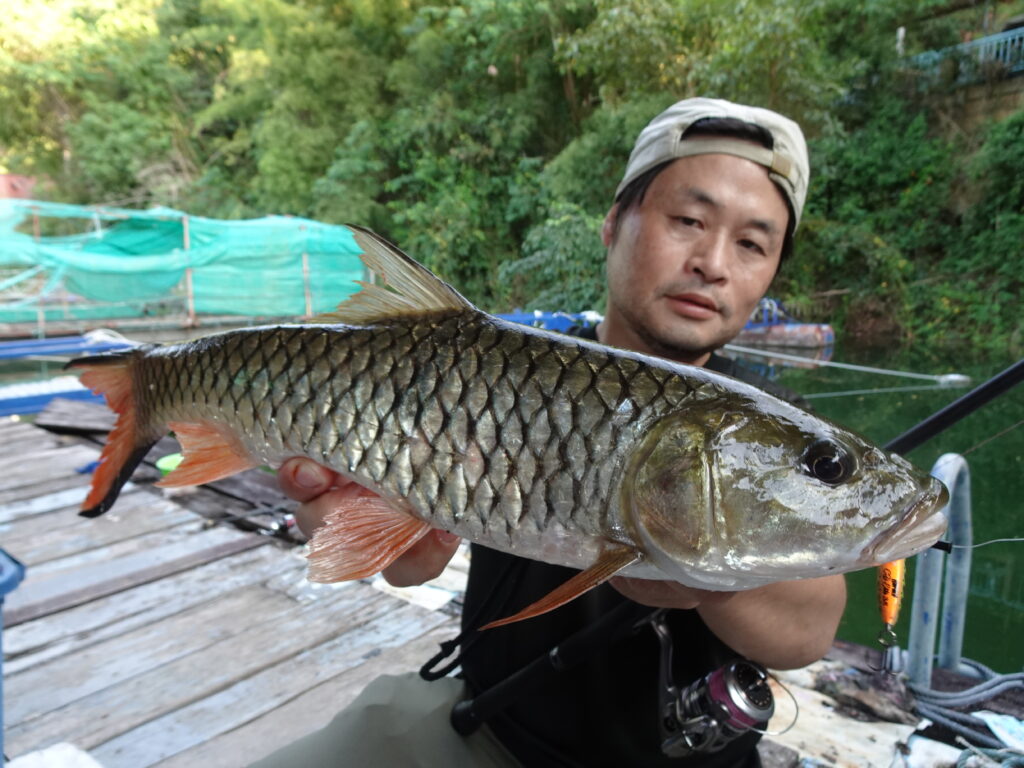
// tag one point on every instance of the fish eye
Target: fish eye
(828, 462)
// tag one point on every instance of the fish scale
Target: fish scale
(539, 444)
(462, 398)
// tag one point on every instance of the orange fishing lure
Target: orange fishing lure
(891, 577)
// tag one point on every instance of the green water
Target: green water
(995, 610)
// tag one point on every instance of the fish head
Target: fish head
(749, 490)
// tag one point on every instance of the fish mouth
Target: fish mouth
(922, 525)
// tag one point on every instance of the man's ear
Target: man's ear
(608, 227)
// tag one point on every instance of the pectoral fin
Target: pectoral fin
(360, 537)
(610, 562)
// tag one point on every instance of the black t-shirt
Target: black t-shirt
(603, 712)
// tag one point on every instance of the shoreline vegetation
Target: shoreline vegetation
(486, 137)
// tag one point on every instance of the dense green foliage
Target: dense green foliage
(487, 136)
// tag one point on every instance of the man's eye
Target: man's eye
(750, 245)
(687, 221)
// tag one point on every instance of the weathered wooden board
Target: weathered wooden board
(275, 632)
(75, 416)
(62, 681)
(13, 430)
(67, 499)
(70, 581)
(266, 690)
(42, 486)
(23, 469)
(69, 631)
(64, 533)
(311, 710)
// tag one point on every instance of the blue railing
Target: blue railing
(993, 56)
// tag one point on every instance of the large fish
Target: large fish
(543, 445)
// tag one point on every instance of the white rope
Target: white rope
(874, 391)
(945, 379)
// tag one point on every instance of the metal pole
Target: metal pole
(924, 613)
(952, 470)
(305, 284)
(189, 292)
(925, 619)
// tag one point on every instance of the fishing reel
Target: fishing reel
(713, 710)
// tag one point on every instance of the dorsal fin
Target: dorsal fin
(415, 289)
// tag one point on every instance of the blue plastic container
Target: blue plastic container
(11, 574)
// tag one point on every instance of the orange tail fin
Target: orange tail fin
(110, 376)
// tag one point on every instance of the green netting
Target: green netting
(125, 262)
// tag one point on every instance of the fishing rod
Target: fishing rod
(960, 408)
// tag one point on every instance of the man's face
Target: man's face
(689, 264)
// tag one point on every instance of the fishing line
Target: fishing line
(952, 456)
(947, 546)
(993, 437)
(796, 710)
(986, 543)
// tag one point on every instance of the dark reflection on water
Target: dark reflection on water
(995, 611)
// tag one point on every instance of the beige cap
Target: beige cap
(662, 139)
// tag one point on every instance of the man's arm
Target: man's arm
(784, 625)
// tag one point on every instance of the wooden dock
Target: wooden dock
(179, 630)
(160, 635)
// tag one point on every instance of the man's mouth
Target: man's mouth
(693, 305)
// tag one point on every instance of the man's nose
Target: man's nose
(710, 258)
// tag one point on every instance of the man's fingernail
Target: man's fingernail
(307, 476)
(447, 538)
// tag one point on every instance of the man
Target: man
(705, 212)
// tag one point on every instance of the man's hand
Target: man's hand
(783, 625)
(320, 490)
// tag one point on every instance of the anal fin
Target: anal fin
(210, 452)
(610, 562)
(362, 536)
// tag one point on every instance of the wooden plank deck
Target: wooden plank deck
(156, 635)
(173, 632)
